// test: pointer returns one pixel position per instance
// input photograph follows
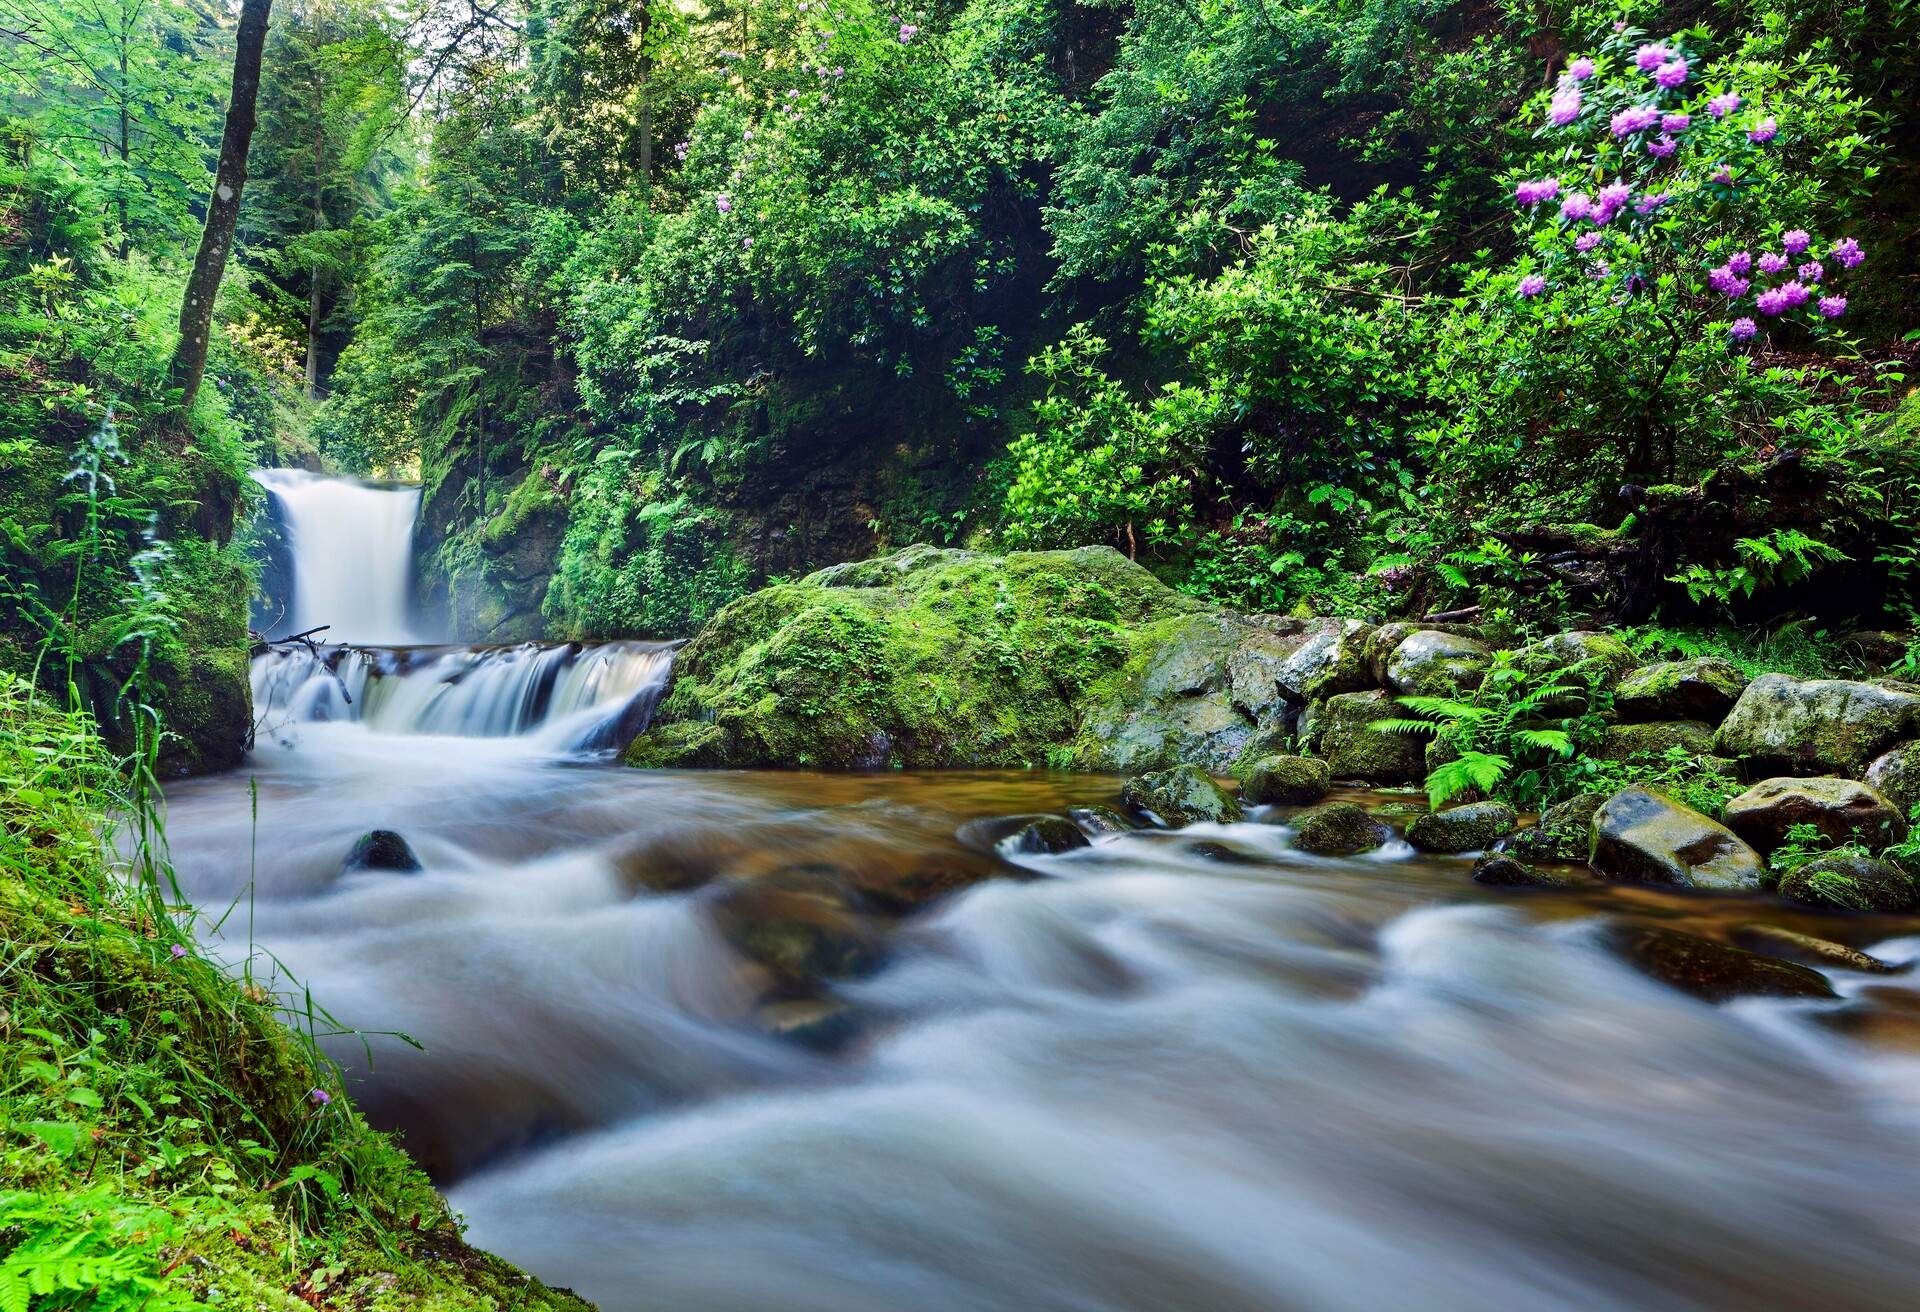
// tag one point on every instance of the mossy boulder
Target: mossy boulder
(1099, 821)
(1504, 870)
(1331, 659)
(1624, 742)
(1843, 810)
(1339, 829)
(1469, 828)
(1712, 971)
(1601, 655)
(1044, 835)
(1433, 663)
(1897, 776)
(1341, 730)
(1287, 780)
(1784, 725)
(1848, 882)
(1704, 689)
(1643, 837)
(1184, 795)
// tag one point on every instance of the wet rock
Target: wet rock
(1279, 740)
(1851, 883)
(1784, 725)
(1339, 829)
(1843, 810)
(1501, 870)
(1287, 780)
(803, 924)
(381, 849)
(1563, 833)
(1430, 663)
(1897, 775)
(1874, 649)
(819, 1023)
(1469, 828)
(1047, 835)
(1778, 942)
(1342, 732)
(1601, 655)
(1176, 798)
(1330, 660)
(1643, 837)
(1715, 972)
(1099, 821)
(1220, 852)
(1703, 689)
(1626, 741)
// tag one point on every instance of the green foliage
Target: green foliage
(1783, 557)
(1517, 737)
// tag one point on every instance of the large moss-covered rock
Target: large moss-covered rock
(1340, 729)
(1339, 829)
(1702, 689)
(1331, 659)
(1624, 742)
(1564, 831)
(1184, 795)
(931, 657)
(1844, 810)
(1784, 725)
(1504, 870)
(1846, 882)
(1716, 972)
(1432, 663)
(1643, 837)
(1288, 780)
(1468, 828)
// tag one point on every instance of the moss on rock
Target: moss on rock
(1182, 796)
(1289, 780)
(1339, 829)
(1469, 828)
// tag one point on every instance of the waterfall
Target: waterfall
(352, 549)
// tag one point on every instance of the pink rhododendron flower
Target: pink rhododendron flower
(1537, 190)
(1586, 241)
(723, 202)
(1580, 69)
(1565, 107)
(1661, 147)
(1675, 123)
(1636, 119)
(1764, 132)
(1649, 57)
(1772, 262)
(1795, 240)
(1740, 262)
(1671, 74)
(1833, 307)
(1811, 271)
(1532, 285)
(1741, 329)
(1848, 252)
(1722, 105)
(1577, 206)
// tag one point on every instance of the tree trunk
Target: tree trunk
(646, 101)
(223, 206)
(319, 225)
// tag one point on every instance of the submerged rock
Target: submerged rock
(1222, 853)
(1851, 883)
(1469, 828)
(1784, 725)
(1643, 837)
(1715, 972)
(1702, 689)
(819, 1023)
(1287, 780)
(803, 924)
(381, 849)
(1043, 836)
(1185, 795)
(1501, 870)
(1339, 829)
(1341, 729)
(1099, 821)
(1778, 942)
(1843, 810)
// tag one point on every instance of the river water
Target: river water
(1135, 1076)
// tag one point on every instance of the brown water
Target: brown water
(1130, 1077)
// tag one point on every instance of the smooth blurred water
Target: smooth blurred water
(1136, 1079)
(352, 548)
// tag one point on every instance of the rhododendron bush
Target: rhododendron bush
(1680, 220)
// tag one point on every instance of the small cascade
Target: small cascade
(351, 544)
(570, 696)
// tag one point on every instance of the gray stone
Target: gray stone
(1702, 689)
(1784, 725)
(1643, 837)
(1470, 828)
(1044, 836)
(1600, 654)
(1501, 870)
(382, 849)
(1897, 775)
(1843, 810)
(1430, 663)
(1626, 741)
(1099, 821)
(1331, 660)
(1175, 798)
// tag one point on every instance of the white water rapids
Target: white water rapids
(352, 547)
(1131, 1080)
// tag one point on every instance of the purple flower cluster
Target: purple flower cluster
(1532, 285)
(1847, 251)
(1565, 107)
(1832, 307)
(1722, 105)
(1763, 131)
(1650, 57)
(1580, 69)
(1671, 74)
(1742, 328)
(1675, 124)
(1795, 240)
(907, 33)
(1637, 118)
(1540, 189)
(1586, 241)
(724, 203)
(1727, 282)
(1772, 262)
(1662, 146)
(1648, 204)
(1787, 296)
(1811, 271)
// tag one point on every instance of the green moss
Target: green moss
(926, 657)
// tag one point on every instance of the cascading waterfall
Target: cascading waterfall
(351, 547)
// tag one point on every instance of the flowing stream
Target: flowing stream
(1137, 1076)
